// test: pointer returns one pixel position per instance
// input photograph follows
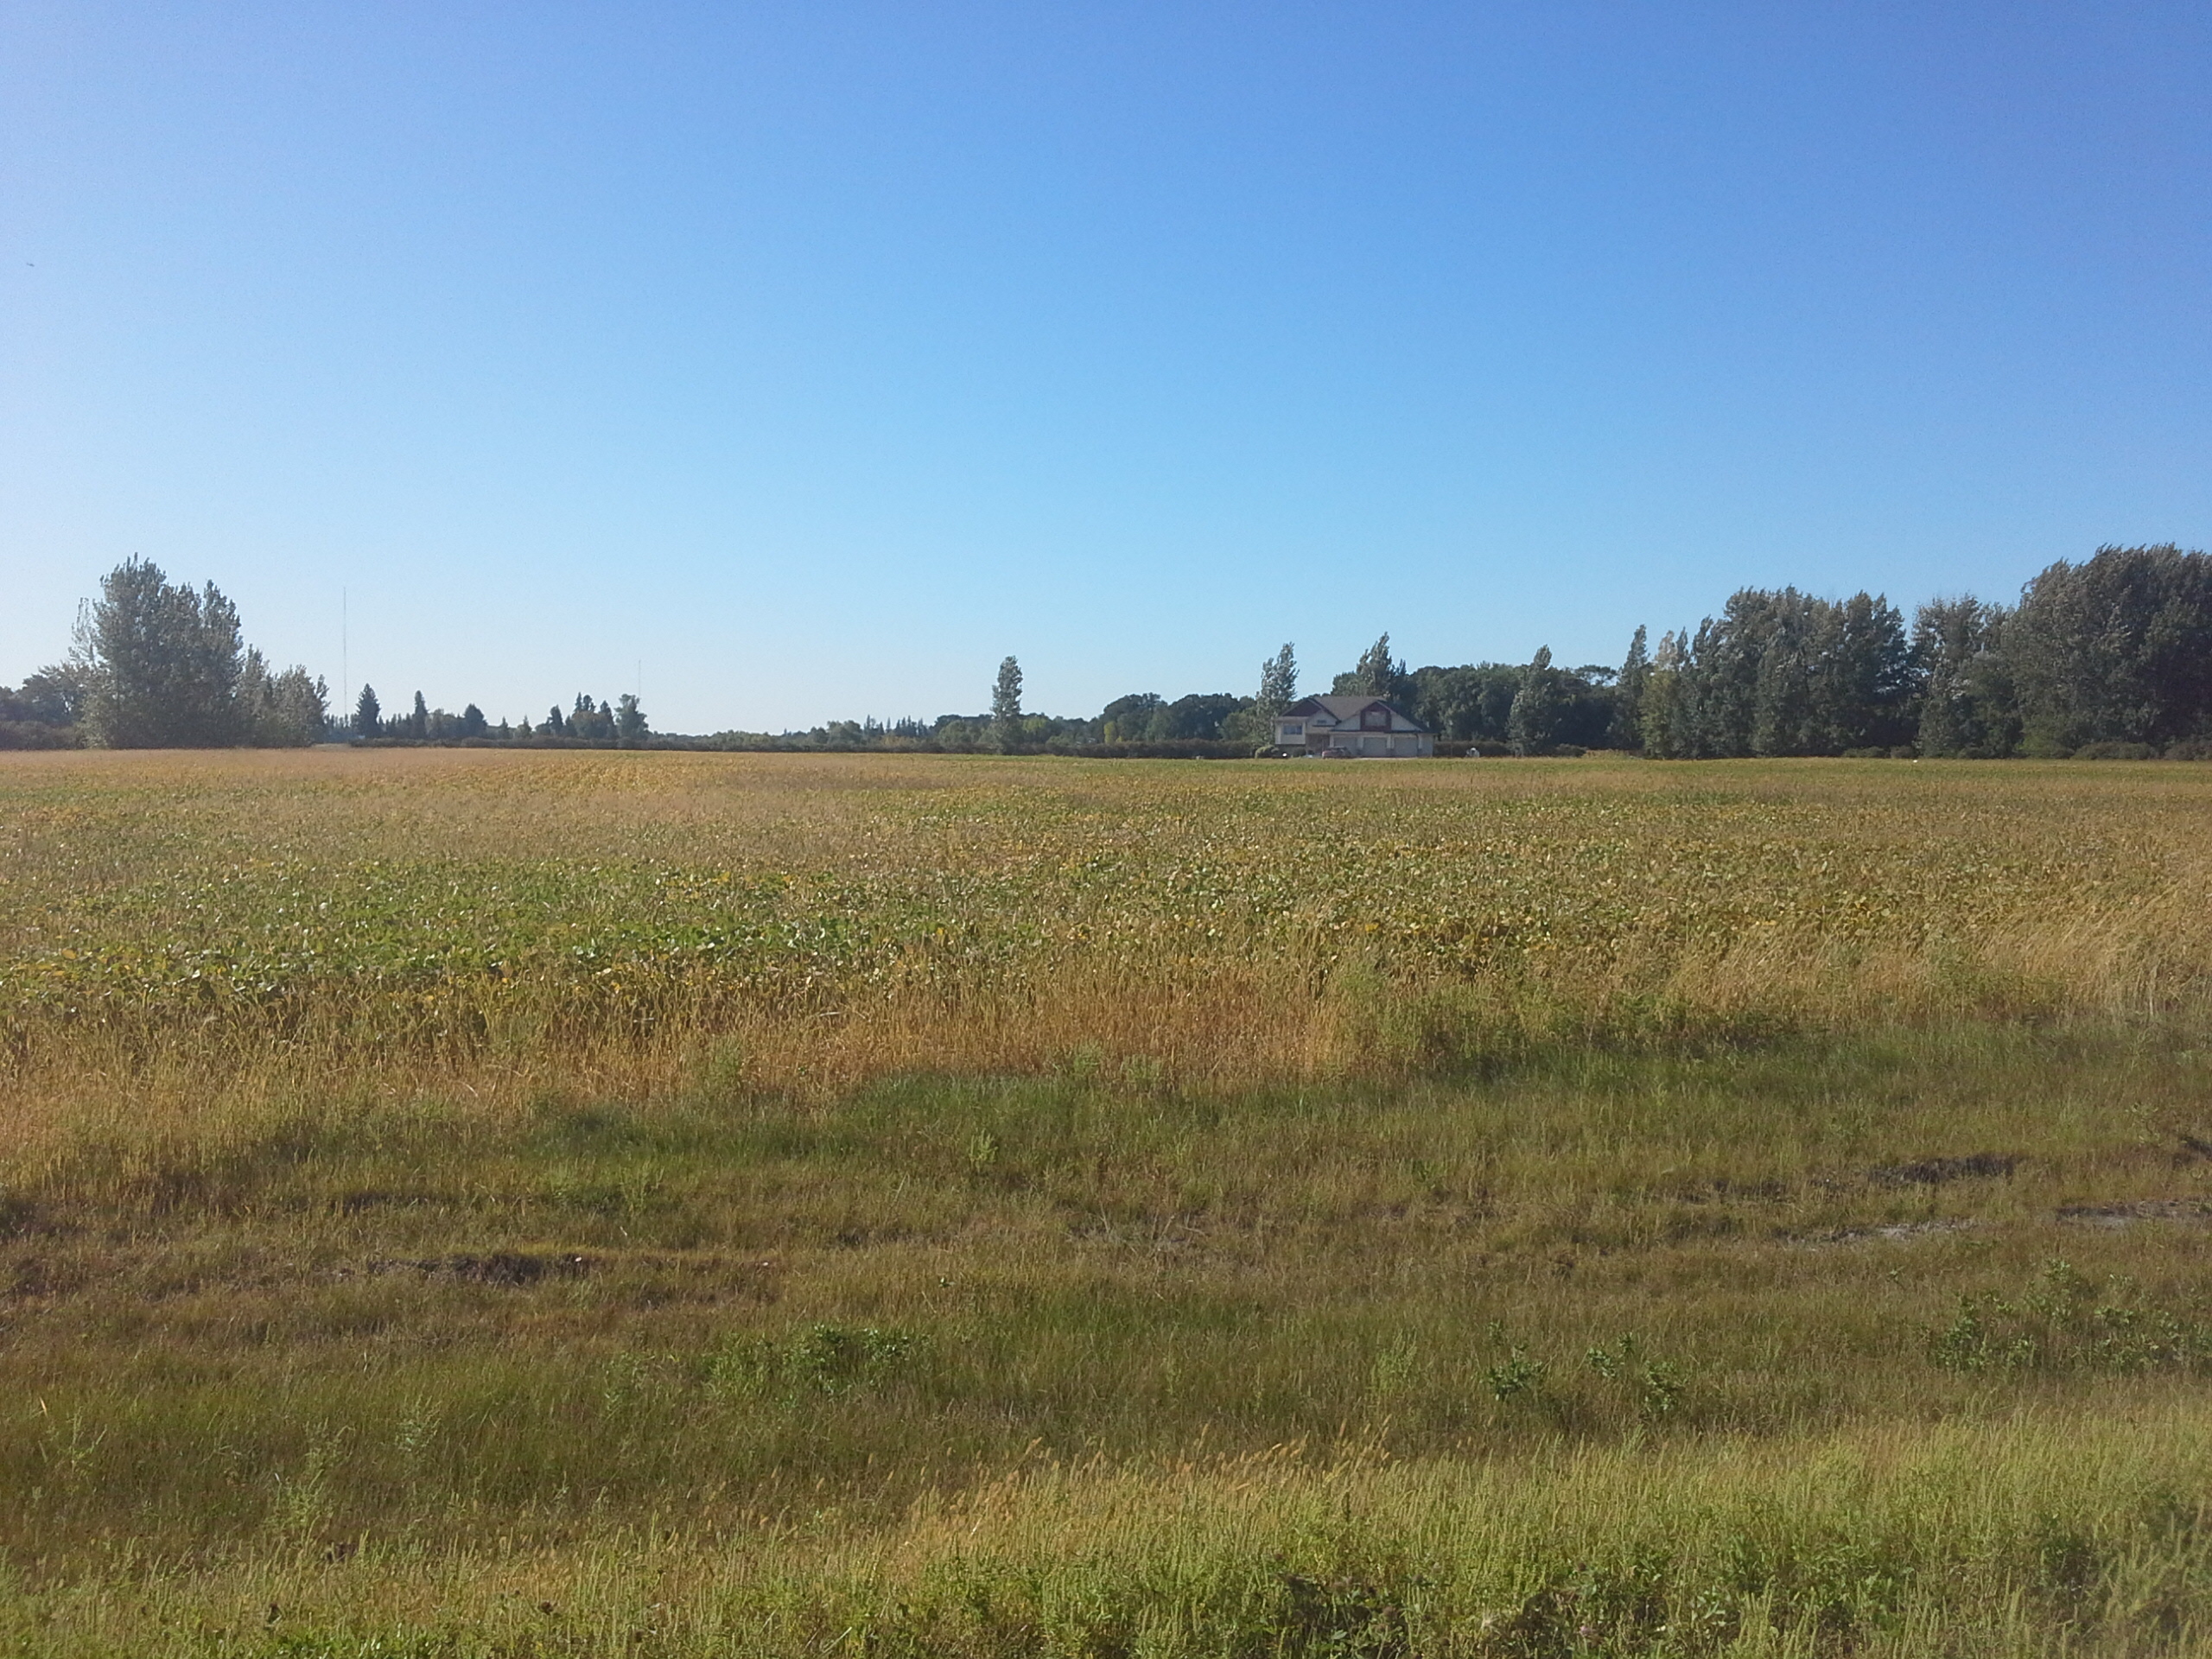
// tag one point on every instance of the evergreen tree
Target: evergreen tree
(368, 713)
(591, 720)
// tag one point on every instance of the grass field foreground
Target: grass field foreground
(606, 1203)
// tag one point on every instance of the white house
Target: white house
(1351, 726)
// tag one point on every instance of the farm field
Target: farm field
(585, 1202)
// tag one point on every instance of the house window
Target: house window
(1375, 720)
(1294, 728)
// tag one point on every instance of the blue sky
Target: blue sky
(796, 362)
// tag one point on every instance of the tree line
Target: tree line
(2112, 656)
(588, 721)
(2109, 657)
(156, 664)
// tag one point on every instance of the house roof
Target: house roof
(1347, 710)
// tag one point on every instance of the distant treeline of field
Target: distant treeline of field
(2110, 658)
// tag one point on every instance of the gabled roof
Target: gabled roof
(1347, 710)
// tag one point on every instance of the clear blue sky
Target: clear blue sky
(814, 357)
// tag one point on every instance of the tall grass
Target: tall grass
(2039, 1534)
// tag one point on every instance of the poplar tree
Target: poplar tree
(1374, 675)
(1626, 731)
(1006, 703)
(1278, 683)
(1665, 718)
(1967, 704)
(2115, 650)
(1532, 727)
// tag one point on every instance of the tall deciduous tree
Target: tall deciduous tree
(1532, 728)
(1968, 703)
(1864, 683)
(1006, 701)
(1666, 719)
(53, 696)
(1780, 673)
(160, 662)
(280, 711)
(1253, 720)
(1471, 702)
(1374, 675)
(1626, 731)
(1278, 683)
(2118, 649)
(1782, 650)
(1129, 720)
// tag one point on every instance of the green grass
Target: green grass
(351, 1336)
(2045, 1534)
